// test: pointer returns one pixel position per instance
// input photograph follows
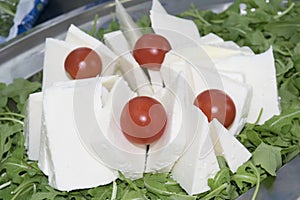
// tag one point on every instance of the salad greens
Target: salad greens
(272, 144)
(7, 11)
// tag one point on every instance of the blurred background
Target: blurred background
(55, 8)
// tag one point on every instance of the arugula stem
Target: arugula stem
(194, 13)
(114, 191)
(157, 191)
(4, 185)
(13, 114)
(215, 192)
(94, 27)
(20, 192)
(285, 11)
(259, 116)
(11, 119)
(257, 182)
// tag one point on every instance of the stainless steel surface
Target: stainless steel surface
(23, 56)
(285, 186)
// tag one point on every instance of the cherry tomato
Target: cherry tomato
(143, 120)
(82, 63)
(150, 49)
(216, 104)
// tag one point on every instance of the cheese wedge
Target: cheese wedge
(198, 163)
(70, 165)
(228, 146)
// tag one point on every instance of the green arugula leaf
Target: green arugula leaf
(6, 132)
(277, 124)
(19, 91)
(268, 157)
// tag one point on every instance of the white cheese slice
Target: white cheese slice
(80, 38)
(104, 138)
(200, 79)
(228, 146)
(216, 47)
(259, 71)
(221, 51)
(179, 131)
(32, 129)
(210, 38)
(237, 76)
(44, 160)
(179, 32)
(130, 69)
(131, 31)
(73, 167)
(56, 52)
(156, 79)
(198, 163)
(157, 7)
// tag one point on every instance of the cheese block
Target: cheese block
(44, 160)
(199, 162)
(32, 126)
(108, 58)
(228, 146)
(179, 32)
(156, 79)
(131, 31)
(180, 128)
(56, 52)
(109, 144)
(217, 48)
(70, 165)
(260, 73)
(130, 69)
(202, 78)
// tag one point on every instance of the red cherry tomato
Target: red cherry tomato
(82, 63)
(150, 49)
(143, 120)
(216, 104)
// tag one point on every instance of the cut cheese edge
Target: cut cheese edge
(259, 71)
(130, 69)
(56, 52)
(80, 38)
(33, 122)
(179, 32)
(200, 79)
(109, 144)
(199, 162)
(131, 31)
(228, 146)
(180, 128)
(72, 166)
